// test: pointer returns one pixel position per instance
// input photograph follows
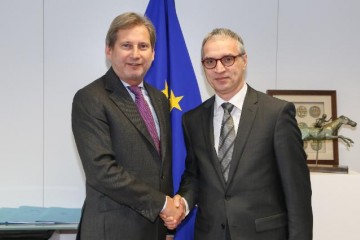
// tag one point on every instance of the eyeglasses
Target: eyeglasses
(227, 61)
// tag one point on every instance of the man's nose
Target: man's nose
(219, 66)
(135, 51)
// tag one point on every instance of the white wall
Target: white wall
(21, 102)
(49, 49)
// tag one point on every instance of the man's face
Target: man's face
(226, 81)
(132, 55)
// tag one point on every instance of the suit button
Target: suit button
(223, 226)
(162, 177)
(227, 197)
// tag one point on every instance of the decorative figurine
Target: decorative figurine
(328, 131)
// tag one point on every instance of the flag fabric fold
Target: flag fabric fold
(172, 73)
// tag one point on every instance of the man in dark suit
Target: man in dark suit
(126, 156)
(261, 190)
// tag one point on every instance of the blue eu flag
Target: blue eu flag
(172, 72)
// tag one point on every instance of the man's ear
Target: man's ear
(245, 60)
(108, 51)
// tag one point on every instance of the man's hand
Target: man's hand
(174, 212)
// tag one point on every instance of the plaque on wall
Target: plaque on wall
(316, 115)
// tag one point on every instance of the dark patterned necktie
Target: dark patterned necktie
(145, 113)
(226, 140)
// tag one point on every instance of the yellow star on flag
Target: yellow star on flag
(166, 90)
(174, 101)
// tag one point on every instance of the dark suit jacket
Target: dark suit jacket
(126, 179)
(268, 194)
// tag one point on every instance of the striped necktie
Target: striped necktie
(226, 140)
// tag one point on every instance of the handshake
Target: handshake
(174, 212)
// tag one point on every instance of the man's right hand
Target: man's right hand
(174, 212)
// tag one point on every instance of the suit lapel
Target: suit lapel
(247, 118)
(121, 97)
(208, 132)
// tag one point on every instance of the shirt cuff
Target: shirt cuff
(164, 204)
(187, 210)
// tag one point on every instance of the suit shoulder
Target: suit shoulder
(270, 100)
(88, 92)
(266, 103)
(94, 85)
(198, 110)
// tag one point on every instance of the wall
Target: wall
(49, 49)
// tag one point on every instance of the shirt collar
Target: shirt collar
(128, 85)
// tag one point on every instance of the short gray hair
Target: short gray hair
(226, 33)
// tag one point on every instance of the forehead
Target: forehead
(219, 46)
(134, 34)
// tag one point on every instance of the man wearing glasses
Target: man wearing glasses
(245, 167)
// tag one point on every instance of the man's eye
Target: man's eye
(144, 46)
(209, 61)
(228, 59)
(126, 46)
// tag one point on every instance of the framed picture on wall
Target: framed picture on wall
(311, 107)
